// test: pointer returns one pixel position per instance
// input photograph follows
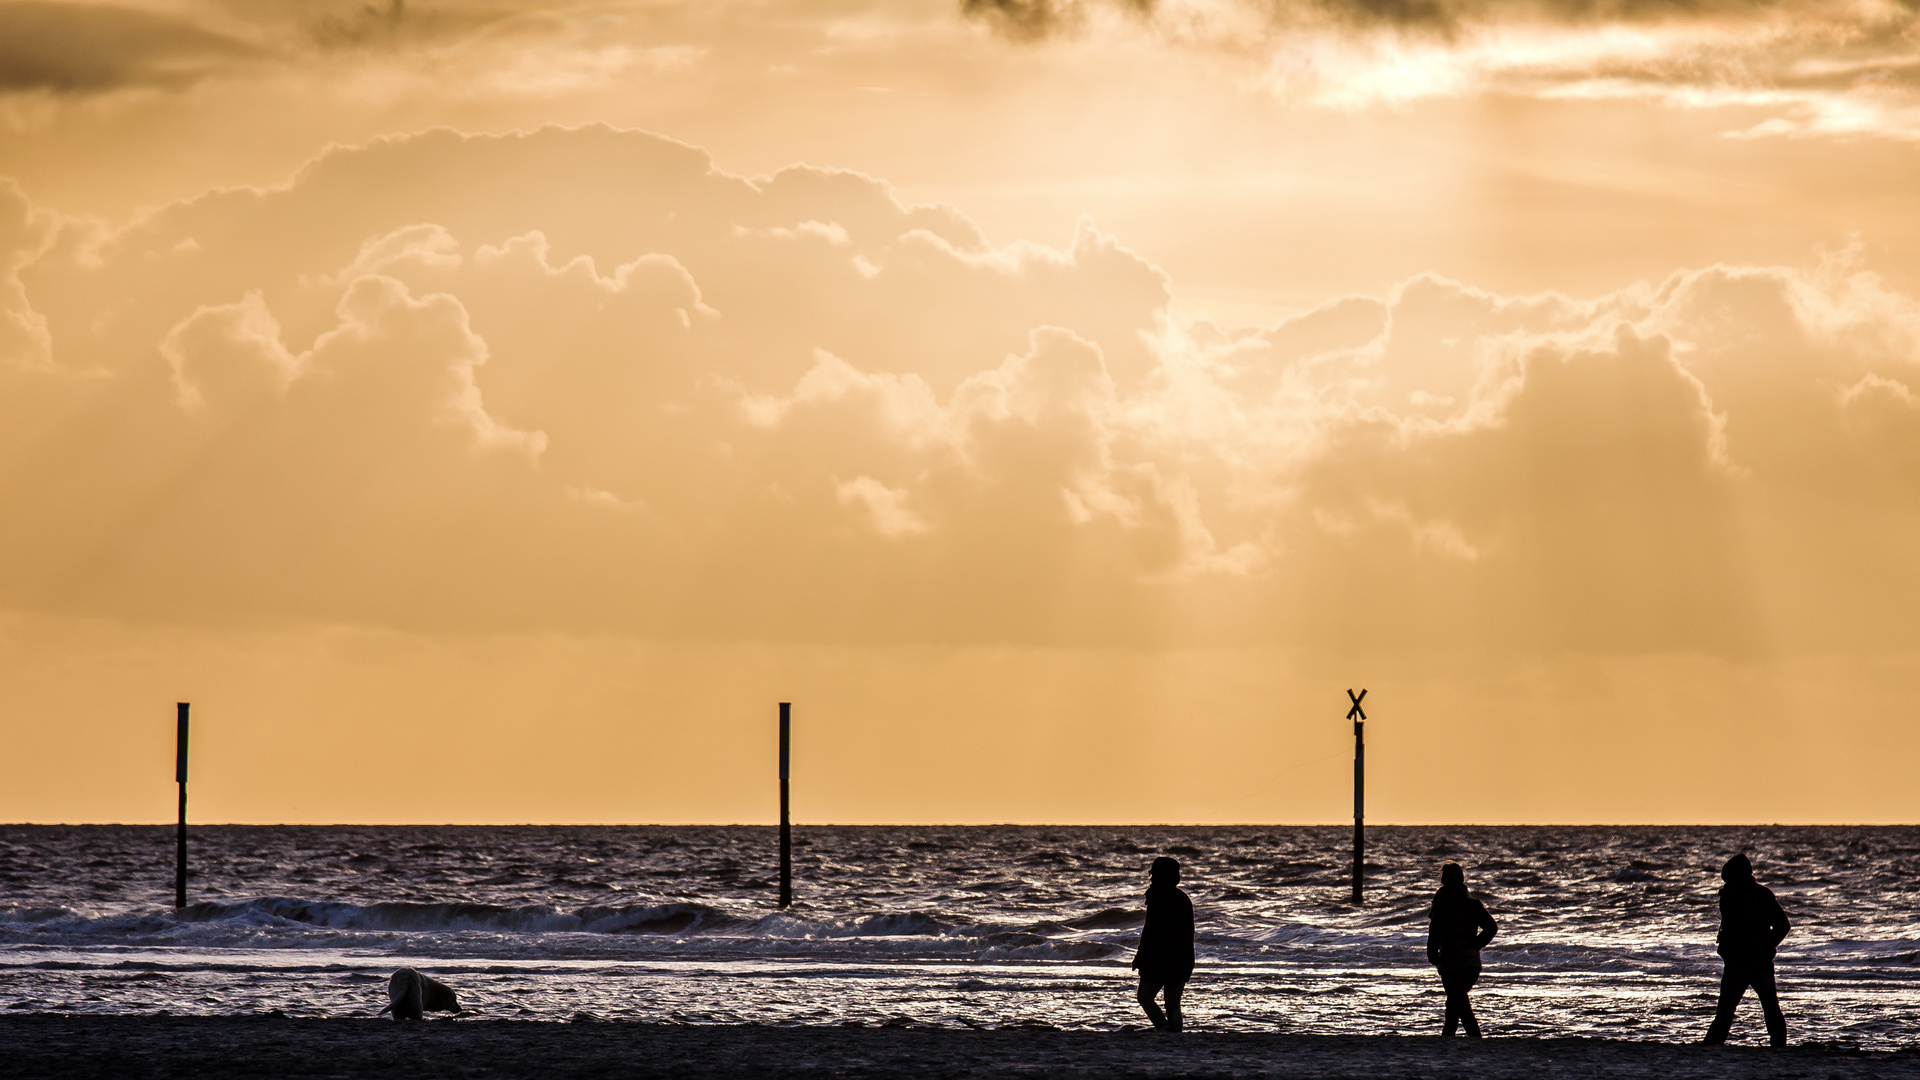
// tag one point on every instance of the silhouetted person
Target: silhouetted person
(1165, 957)
(1458, 927)
(1751, 927)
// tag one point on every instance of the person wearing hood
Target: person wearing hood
(1165, 956)
(1752, 925)
(1458, 927)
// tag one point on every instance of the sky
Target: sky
(489, 411)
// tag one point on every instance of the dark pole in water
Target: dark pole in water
(1358, 716)
(180, 838)
(786, 830)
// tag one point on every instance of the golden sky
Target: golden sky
(487, 411)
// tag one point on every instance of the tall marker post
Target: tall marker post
(786, 829)
(1359, 717)
(180, 837)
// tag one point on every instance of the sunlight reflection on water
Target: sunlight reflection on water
(1604, 931)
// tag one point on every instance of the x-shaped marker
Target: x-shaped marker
(1356, 710)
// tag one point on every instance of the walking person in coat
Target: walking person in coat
(1751, 928)
(1458, 927)
(1165, 957)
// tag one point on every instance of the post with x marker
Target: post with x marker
(1359, 718)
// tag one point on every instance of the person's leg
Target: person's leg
(1466, 1016)
(1467, 976)
(1458, 978)
(1456, 997)
(1733, 983)
(1769, 995)
(1150, 986)
(1174, 990)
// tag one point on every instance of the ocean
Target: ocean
(1604, 931)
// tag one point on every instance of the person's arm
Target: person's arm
(1488, 927)
(1146, 936)
(1433, 935)
(1777, 919)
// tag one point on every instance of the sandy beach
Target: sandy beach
(56, 1046)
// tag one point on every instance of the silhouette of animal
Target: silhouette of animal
(414, 994)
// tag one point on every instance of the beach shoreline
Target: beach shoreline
(52, 1046)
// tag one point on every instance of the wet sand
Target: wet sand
(43, 1045)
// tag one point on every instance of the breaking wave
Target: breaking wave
(644, 928)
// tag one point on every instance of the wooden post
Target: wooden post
(180, 837)
(786, 830)
(1358, 716)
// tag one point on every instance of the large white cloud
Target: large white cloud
(581, 379)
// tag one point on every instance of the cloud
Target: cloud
(1832, 69)
(892, 517)
(89, 48)
(231, 353)
(514, 46)
(24, 234)
(1034, 19)
(584, 380)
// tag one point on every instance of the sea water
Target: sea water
(1604, 931)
